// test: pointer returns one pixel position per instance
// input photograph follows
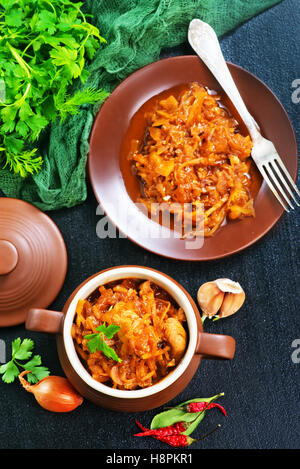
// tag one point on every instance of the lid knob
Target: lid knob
(8, 257)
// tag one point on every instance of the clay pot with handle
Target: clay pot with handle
(201, 345)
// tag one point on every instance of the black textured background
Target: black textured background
(261, 384)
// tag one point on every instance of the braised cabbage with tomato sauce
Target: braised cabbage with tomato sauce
(193, 153)
(150, 342)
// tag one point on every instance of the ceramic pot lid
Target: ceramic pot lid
(33, 260)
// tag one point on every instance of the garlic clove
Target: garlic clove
(228, 286)
(210, 298)
(221, 298)
(232, 303)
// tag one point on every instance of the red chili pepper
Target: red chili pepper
(200, 406)
(183, 440)
(164, 434)
(141, 426)
(175, 429)
(176, 440)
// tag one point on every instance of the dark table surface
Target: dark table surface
(261, 383)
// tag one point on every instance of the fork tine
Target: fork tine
(278, 185)
(287, 174)
(275, 167)
(271, 186)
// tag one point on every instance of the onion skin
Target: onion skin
(53, 393)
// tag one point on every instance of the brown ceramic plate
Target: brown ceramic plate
(107, 140)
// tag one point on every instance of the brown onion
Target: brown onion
(53, 393)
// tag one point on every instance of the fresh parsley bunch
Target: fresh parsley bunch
(21, 352)
(43, 48)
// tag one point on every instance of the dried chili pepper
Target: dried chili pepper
(184, 440)
(200, 406)
(163, 434)
(176, 439)
(177, 433)
(141, 426)
(175, 429)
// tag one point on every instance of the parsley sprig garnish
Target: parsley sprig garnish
(44, 46)
(22, 350)
(96, 341)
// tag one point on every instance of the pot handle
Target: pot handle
(215, 346)
(44, 320)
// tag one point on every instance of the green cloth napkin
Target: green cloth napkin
(136, 32)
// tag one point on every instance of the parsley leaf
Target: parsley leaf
(10, 371)
(47, 22)
(14, 17)
(108, 331)
(108, 351)
(96, 341)
(62, 56)
(22, 350)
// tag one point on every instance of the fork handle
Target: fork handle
(205, 43)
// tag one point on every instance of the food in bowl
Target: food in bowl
(192, 152)
(150, 336)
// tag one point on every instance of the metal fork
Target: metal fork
(204, 41)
